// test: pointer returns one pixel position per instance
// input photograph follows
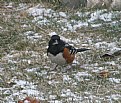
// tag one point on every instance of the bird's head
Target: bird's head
(54, 40)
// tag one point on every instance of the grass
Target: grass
(24, 58)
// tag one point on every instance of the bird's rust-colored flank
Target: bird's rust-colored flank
(69, 57)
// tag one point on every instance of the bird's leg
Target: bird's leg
(56, 67)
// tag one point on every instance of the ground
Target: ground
(25, 69)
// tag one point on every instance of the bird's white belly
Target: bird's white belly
(58, 59)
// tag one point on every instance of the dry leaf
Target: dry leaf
(104, 74)
(29, 100)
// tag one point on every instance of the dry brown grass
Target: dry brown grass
(20, 54)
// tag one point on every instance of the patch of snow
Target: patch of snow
(95, 64)
(75, 62)
(53, 82)
(63, 14)
(115, 72)
(30, 92)
(85, 45)
(81, 74)
(104, 45)
(53, 96)
(41, 16)
(96, 25)
(28, 88)
(114, 80)
(111, 63)
(43, 22)
(43, 72)
(66, 78)
(8, 91)
(52, 33)
(114, 49)
(29, 61)
(100, 68)
(99, 15)
(75, 97)
(24, 26)
(95, 71)
(10, 5)
(32, 69)
(29, 33)
(1, 27)
(55, 101)
(95, 16)
(32, 35)
(115, 96)
(69, 26)
(1, 68)
(67, 92)
(22, 6)
(106, 17)
(25, 84)
(82, 14)
(37, 11)
(79, 25)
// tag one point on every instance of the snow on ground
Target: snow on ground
(42, 16)
(72, 87)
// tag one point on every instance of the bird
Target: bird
(60, 52)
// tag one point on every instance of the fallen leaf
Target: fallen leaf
(29, 100)
(104, 74)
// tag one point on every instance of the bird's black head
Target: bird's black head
(56, 45)
(54, 40)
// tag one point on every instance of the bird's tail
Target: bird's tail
(82, 49)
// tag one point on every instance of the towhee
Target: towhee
(61, 52)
